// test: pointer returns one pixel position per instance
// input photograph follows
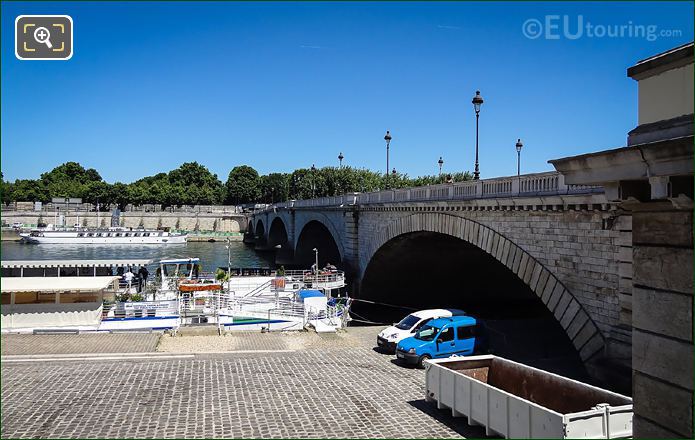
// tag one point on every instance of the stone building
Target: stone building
(652, 178)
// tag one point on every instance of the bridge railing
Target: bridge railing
(527, 185)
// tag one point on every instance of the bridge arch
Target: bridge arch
(260, 233)
(316, 234)
(303, 221)
(277, 234)
(557, 298)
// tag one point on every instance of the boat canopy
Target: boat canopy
(56, 284)
(304, 294)
(16, 264)
(181, 261)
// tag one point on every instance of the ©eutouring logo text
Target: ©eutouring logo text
(556, 27)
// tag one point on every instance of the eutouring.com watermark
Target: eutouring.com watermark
(556, 27)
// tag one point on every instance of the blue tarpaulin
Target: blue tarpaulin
(303, 294)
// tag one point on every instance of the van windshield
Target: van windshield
(427, 333)
(408, 322)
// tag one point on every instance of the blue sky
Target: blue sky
(282, 86)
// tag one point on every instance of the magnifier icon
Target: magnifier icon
(42, 35)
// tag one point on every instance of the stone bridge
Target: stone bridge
(566, 245)
(609, 265)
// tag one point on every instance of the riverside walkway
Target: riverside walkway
(245, 385)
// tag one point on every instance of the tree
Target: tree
(197, 184)
(368, 181)
(274, 187)
(300, 184)
(5, 190)
(193, 184)
(71, 171)
(97, 191)
(243, 185)
(27, 190)
(69, 180)
(118, 194)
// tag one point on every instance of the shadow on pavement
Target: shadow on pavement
(400, 363)
(382, 351)
(458, 424)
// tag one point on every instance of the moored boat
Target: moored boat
(103, 236)
(254, 299)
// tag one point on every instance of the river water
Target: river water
(212, 255)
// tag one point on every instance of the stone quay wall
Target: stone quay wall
(183, 221)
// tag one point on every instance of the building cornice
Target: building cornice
(668, 157)
(671, 59)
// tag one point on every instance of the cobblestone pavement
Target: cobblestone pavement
(83, 343)
(329, 388)
(242, 341)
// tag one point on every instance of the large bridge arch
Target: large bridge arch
(557, 298)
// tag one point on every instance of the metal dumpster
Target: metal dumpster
(518, 401)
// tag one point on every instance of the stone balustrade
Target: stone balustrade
(527, 185)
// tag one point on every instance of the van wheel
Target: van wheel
(421, 361)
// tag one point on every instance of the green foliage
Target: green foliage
(243, 185)
(69, 180)
(274, 187)
(222, 275)
(137, 297)
(193, 184)
(300, 184)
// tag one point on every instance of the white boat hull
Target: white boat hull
(143, 323)
(68, 238)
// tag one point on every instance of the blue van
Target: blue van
(441, 338)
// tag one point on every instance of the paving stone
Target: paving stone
(82, 343)
(332, 387)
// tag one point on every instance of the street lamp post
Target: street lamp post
(313, 181)
(316, 259)
(229, 255)
(340, 159)
(477, 102)
(440, 162)
(519, 146)
(387, 138)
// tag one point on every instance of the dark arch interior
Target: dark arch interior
(277, 233)
(423, 270)
(316, 235)
(260, 231)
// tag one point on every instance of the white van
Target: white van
(390, 336)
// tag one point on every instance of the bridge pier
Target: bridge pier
(249, 238)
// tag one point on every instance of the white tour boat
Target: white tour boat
(254, 299)
(114, 235)
(92, 295)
